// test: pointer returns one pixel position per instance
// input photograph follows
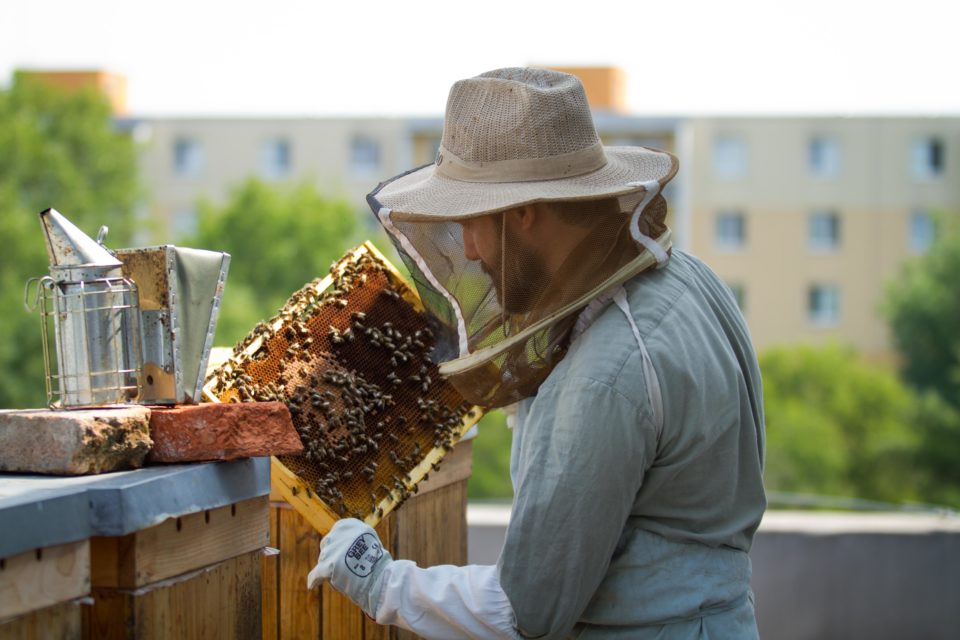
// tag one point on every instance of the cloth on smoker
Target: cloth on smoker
(616, 532)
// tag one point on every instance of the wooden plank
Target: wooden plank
(43, 577)
(62, 621)
(299, 548)
(220, 601)
(371, 630)
(111, 617)
(432, 529)
(179, 545)
(270, 581)
(296, 493)
(341, 618)
(456, 465)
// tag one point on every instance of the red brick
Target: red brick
(193, 433)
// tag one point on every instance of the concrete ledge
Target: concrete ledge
(834, 522)
(826, 575)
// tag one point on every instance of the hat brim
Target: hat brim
(425, 193)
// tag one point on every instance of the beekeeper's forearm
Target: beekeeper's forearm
(446, 601)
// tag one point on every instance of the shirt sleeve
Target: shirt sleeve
(446, 602)
(582, 456)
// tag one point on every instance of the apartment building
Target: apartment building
(807, 218)
(184, 160)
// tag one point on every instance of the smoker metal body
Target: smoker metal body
(180, 291)
(135, 325)
(95, 320)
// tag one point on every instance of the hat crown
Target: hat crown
(517, 114)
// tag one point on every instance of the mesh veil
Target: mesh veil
(503, 322)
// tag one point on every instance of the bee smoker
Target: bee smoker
(96, 320)
(132, 325)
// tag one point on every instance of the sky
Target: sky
(342, 57)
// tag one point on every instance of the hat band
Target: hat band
(564, 165)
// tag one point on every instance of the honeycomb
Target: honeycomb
(349, 355)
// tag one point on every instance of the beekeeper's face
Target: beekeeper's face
(518, 272)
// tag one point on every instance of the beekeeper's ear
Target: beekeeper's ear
(524, 218)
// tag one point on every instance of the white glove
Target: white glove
(352, 558)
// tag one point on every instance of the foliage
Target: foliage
(278, 241)
(56, 150)
(923, 306)
(837, 426)
(938, 424)
(491, 459)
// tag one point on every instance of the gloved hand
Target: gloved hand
(352, 558)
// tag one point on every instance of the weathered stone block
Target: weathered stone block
(74, 442)
(213, 431)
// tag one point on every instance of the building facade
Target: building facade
(807, 218)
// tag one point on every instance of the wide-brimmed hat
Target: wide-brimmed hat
(517, 136)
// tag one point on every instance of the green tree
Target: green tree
(490, 478)
(923, 306)
(56, 150)
(278, 240)
(836, 426)
(938, 427)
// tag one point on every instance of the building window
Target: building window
(739, 292)
(364, 156)
(729, 157)
(183, 223)
(927, 158)
(187, 157)
(922, 231)
(275, 158)
(824, 231)
(823, 304)
(730, 231)
(823, 157)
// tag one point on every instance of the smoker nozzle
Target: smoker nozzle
(67, 245)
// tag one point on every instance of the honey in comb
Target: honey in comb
(352, 364)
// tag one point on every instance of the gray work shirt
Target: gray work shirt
(618, 531)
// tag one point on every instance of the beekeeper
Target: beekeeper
(638, 434)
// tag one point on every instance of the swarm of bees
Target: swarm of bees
(351, 361)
